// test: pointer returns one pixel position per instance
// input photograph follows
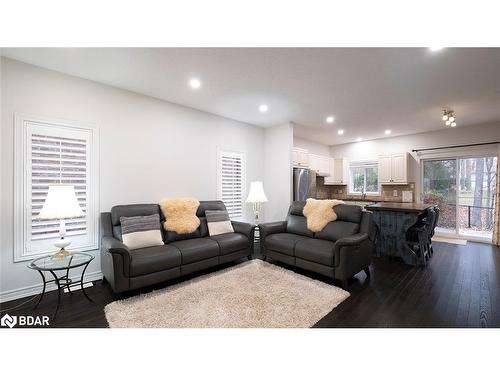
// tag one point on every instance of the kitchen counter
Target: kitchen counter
(367, 200)
(401, 207)
(393, 221)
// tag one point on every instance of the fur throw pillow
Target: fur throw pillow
(180, 214)
(319, 212)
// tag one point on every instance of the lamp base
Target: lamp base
(61, 244)
(62, 253)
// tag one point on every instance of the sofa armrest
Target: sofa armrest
(354, 241)
(270, 228)
(267, 229)
(244, 228)
(115, 246)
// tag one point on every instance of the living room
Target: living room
(219, 186)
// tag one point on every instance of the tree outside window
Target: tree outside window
(363, 178)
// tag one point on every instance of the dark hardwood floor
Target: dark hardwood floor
(459, 288)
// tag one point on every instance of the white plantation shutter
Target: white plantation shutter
(50, 152)
(57, 160)
(231, 181)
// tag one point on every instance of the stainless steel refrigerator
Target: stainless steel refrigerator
(304, 184)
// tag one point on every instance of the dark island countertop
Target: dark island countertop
(401, 207)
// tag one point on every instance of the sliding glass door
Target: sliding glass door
(464, 190)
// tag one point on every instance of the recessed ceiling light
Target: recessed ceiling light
(453, 124)
(195, 83)
(263, 108)
(359, 139)
(330, 119)
(387, 132)
(435, 49)
(340, 132)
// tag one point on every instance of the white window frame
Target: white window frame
(24, 249)
(363, 164)
(232, 153)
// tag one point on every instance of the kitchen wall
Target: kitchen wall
(448, 136)
(149, 149)
(389, 193)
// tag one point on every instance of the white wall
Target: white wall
(149, 149)
(278, 171)
(311, 146)
(446, 137)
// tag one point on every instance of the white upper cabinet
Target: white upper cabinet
(300, 157)
(384, 169)
(338, 172)
(319, 164)
(393, 169)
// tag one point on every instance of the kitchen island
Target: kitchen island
(394, 220)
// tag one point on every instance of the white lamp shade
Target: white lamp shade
(61, 203)
(256, 194)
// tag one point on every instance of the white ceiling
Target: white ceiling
(368, 90)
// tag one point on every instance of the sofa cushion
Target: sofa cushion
(315, 250)
(336, 230)
(171, 236)
(283, 242)
(153, 259)
(231, 242)
(348, 212)
(196, 249)
(209, 205)
(298, 225)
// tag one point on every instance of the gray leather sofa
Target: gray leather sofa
(341, 250)
(126, 269)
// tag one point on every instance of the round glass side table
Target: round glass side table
(50, 264)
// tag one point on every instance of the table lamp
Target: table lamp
(61, 203)
(256, 197)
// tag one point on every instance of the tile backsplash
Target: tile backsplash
(390, 193)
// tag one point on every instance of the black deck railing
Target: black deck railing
(485, 214)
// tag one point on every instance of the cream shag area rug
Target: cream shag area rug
(253, 294)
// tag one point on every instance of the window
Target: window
(231, 181)
(363, 178)
(50, 152)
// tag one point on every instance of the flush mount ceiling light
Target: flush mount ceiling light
(330, 119)
(263, 108)
(449, 117)
(340, 132)
(387, 132)
(195, 83)
(435, 49)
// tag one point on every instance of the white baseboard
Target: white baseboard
(32, 290)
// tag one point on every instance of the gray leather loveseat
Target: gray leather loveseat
(342, 249)
(126, 269)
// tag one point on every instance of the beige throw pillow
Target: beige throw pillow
(141, 231)
(180, 214)
(218, 222)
